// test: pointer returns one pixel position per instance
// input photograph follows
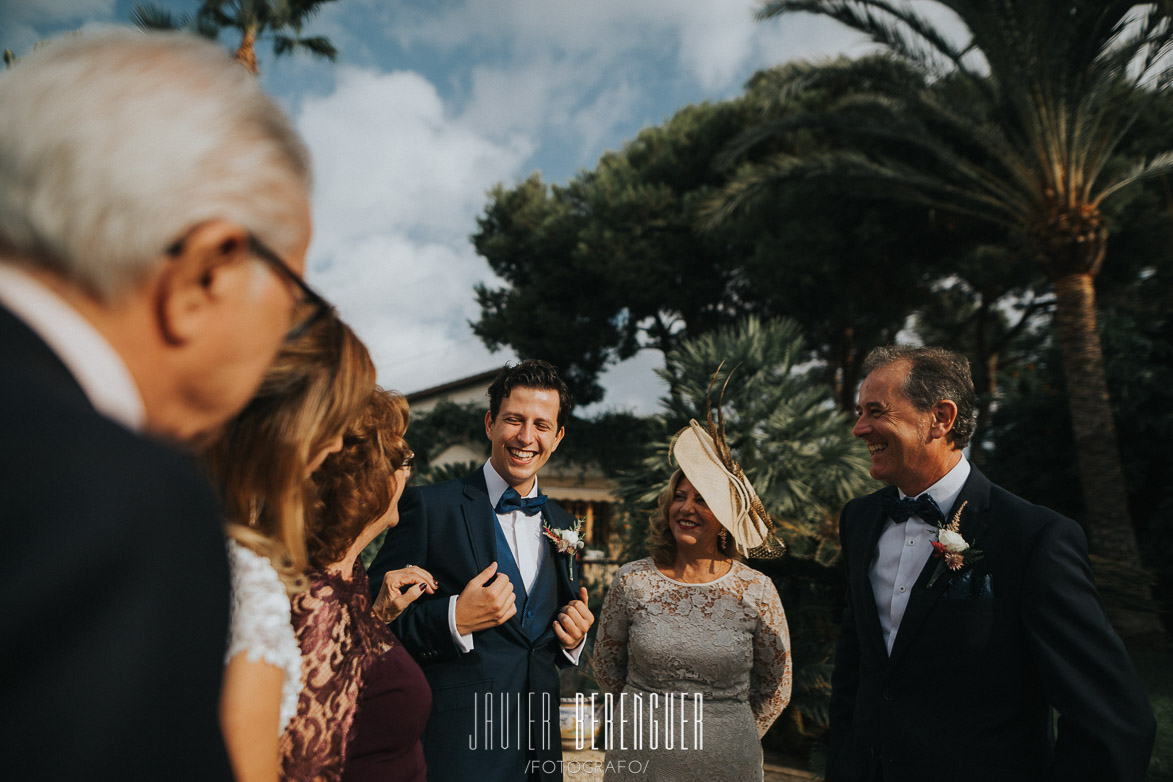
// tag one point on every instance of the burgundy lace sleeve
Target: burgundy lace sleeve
(313, 746)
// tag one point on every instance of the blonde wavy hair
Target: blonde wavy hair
(318, 385)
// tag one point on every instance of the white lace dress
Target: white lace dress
(726, 640)
(259, 625)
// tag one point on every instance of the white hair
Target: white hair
(114, 145)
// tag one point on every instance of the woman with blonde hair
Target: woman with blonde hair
(692, 632)
(261, 464)
(365, 700)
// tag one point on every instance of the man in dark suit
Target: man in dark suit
(960, 638)
(508, 611)
(139, 308)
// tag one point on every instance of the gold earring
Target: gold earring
(722, 539)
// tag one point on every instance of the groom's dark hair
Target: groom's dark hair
(533, 373)
(934, 374)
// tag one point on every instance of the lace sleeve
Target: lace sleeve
(259, 627)
(771, 676)
(611, 640)
(314, 745)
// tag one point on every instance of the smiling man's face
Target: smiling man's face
(898, 436)
(524, 435)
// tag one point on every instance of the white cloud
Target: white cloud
(410, 303)
(388, 156)
(399, 184)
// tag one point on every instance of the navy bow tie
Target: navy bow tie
(511, 501)
(924, 506)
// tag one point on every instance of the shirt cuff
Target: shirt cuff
(576, 652)
(464, 642)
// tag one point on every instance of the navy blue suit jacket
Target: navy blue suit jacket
(117, 608)
(449, 529)
(981, 658)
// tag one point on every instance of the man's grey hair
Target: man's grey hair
(934, 374)
(113, 145)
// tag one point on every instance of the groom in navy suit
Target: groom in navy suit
(509, 611)
(960, 639)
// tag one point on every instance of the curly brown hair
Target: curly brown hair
(660, 541)
(355, 485)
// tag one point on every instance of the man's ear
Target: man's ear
(489, 424)
(944, 416)
(187, 290)
(558, 439)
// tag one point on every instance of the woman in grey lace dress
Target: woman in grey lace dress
(692, 644)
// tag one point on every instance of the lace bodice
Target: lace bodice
(340, 640)
(260, 626)
(727, 639)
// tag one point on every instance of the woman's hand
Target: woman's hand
(393, 598)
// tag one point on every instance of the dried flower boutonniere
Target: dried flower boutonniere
(566, 541)
(951, 548)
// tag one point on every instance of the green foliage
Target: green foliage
(1020, 126)
(797, 450)
(280, 20)
(622, 239)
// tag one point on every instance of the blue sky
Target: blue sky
(432, 103)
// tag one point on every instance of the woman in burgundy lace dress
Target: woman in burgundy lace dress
(364, 700)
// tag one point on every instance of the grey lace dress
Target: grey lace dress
(726, 640)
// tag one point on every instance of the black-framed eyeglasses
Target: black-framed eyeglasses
(408, 461)
(309, 307)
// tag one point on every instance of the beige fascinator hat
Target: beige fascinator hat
(704, 456)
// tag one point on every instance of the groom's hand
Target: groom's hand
(573, 621)
(480, 607)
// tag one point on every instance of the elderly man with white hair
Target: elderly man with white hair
(154, 219)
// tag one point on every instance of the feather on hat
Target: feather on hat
(703, 454)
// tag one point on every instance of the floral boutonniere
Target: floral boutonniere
(566, 541)
(951, 548)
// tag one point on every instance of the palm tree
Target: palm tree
(1017, 126)
(281, 19)
(796, 448)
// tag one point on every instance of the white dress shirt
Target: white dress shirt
(526, 542)
(93, 362)
(903, 550)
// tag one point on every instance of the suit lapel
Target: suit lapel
(975, 495)
(481, 524)
(875, 518)
(479, 521)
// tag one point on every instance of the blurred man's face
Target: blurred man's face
(255, 305)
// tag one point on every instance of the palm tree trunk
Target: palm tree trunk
(1105, 493)
(246, 53)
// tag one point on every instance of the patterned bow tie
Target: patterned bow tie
(511, 501)
(924, 506)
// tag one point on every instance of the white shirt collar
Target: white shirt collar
(946, 491)
(496, 485)
(93, 362)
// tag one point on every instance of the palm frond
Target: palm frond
(318, 46)
(1161, 165)
(149, 16)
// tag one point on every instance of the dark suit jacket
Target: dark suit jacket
(982, 657)
(449, 529)
(116, 610)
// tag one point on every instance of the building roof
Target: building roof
(479, 379)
